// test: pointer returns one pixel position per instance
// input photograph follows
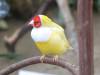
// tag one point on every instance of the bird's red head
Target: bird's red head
(35, 22)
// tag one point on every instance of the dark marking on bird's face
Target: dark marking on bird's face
(37, 21)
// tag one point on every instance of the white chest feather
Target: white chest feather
(41, 34)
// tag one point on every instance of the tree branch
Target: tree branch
(35, 60)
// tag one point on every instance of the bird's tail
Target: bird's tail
(71, 48)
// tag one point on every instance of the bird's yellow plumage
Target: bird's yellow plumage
(54, 46)
(56, 43)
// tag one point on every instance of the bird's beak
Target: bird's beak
(31, 22)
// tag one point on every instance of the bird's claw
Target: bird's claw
(55, 59)
(42, 58)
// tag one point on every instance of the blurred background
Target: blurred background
(14, 14)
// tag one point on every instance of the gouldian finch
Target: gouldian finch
(49, 37)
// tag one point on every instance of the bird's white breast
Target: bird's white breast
(41, 34)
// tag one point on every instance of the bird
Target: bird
(49, 37)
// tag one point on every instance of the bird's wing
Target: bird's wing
(65, 39)
(60, 30)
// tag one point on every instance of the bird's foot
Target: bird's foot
(42, 58)
(55, 58)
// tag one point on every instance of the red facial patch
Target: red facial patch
(37, 21)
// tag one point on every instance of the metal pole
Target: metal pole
(85, 36)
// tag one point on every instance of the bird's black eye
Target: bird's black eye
(37, 24)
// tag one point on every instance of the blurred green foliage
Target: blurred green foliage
(25, 8)
(72, 3)
(3, 25)
(97, 5)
